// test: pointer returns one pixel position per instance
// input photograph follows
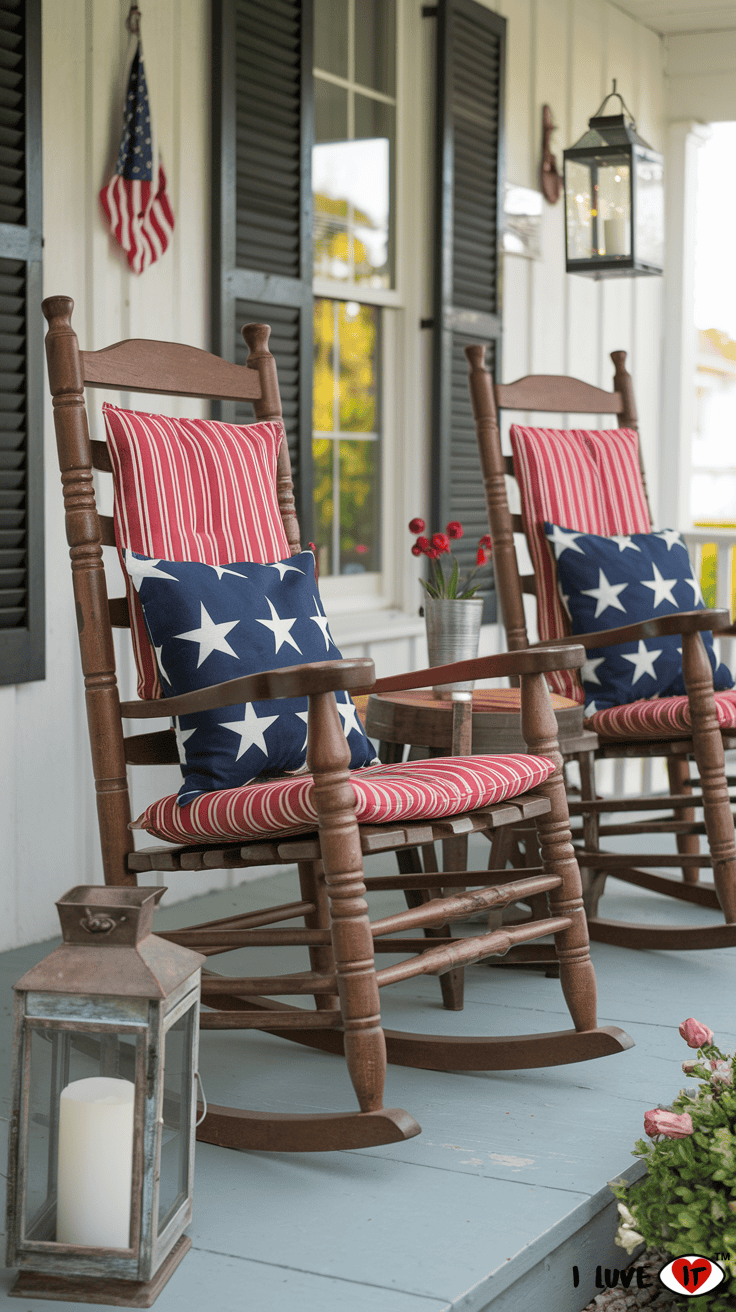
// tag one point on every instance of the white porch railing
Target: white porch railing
(724, 540)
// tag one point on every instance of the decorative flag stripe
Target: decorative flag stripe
(191, 489)
(383, 793)
(134, 201)
(658, 717)
(588, 480)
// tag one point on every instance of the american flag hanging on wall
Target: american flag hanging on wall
(135, 202)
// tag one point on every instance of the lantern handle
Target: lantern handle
(618, 96)
(198, 1078)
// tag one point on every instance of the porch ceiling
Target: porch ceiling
(668, 17)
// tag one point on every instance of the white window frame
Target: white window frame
(404, 493)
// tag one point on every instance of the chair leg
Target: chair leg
(594, 881)
(711, 760)
(577, 975)
(352, 941)
(678, 774)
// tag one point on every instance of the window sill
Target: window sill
(348, 630)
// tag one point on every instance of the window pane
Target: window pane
(331, 35)
(322, 456)
(358, 367)
(372, 190)
(359, 499)
(330, 111)
(78, 1142)
(375, 45)
(347, 469)
(332, 246)
(176, 1127)
(579, 189)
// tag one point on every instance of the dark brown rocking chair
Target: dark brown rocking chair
(705, 743)
(341, 940)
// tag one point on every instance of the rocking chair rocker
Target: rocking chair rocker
(699, 726)
(327, 839)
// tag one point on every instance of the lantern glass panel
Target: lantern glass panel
(649, 211)
(177, 1110)
(72, 1184)
(614, 208)
(579, 206)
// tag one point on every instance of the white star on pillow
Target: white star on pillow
(643, 662)
(144, 569)
(251, 729)
(210, 636)
(280, 628)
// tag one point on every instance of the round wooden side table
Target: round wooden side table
(421, 720)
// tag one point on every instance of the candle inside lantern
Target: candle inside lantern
(614, 235)
(95, 1162)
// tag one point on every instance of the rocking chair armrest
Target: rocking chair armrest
(661, 626)
(291, 681)
(569, 655)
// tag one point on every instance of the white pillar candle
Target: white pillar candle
(95, 1163)
(614, 235)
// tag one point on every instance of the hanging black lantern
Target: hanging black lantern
(614, 200)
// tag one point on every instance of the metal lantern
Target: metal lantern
(104, 1102)
(614, 200)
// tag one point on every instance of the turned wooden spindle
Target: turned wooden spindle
(256, 337)
(90, 590)
(577, 976)
(328, 758)
(494, 482)
(628, 417)
(710, 757)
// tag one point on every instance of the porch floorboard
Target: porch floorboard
(502, 1193)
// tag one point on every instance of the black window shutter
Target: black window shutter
(263, 116)
(468, 181)
(21, 345)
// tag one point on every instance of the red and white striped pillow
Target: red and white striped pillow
(586, 479)
(191, 489)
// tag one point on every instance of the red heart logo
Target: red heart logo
(691, 1275)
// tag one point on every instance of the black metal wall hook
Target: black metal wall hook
(133, 21)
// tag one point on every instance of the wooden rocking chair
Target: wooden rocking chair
(700, 730)
(335, 928)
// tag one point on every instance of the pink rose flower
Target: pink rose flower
(695, 1034)
(667, 1123)
(721, 1071)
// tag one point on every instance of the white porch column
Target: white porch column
(680, 337)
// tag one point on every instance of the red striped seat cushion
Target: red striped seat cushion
(663, 717)
(421, 790)
(191, 489)
(588, 480)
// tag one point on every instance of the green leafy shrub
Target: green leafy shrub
(686, 1203)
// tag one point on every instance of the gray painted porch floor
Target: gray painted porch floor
(504, 1190)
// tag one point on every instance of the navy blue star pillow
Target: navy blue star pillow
(607, 582)
(211, 623)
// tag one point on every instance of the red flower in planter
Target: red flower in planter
(441, 543)
(450, 587)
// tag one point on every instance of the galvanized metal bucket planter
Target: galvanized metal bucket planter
(453, 634)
